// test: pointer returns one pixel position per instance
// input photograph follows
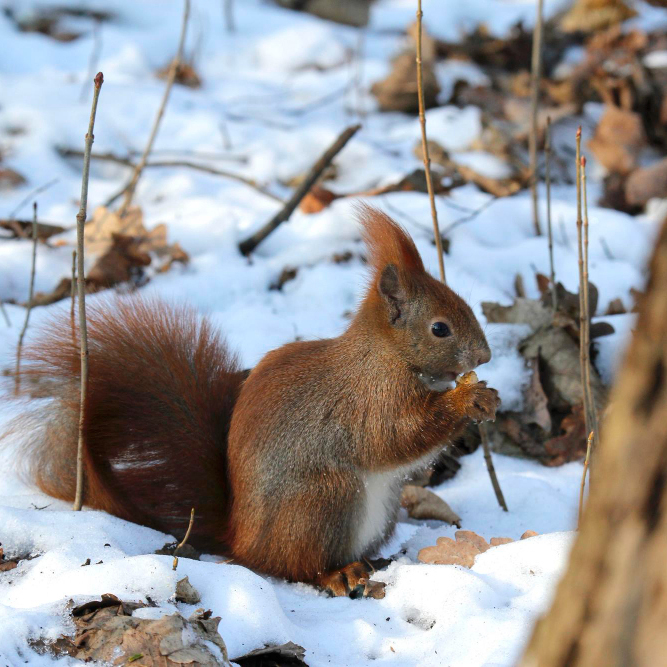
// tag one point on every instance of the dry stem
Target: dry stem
(536, 70)
(489, 466)
(583, 477)
(81, 285)
(547, 175)
(132, 185)
(73, 298)
(427, 159)
(592, 414)
(247, 246)
(4, 314)
(583, 315)
(185, 539)
(228, 10)
(17, 372)
(111, 157)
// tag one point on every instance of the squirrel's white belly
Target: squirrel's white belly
(380, 505)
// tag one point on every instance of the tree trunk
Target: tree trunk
(611, 606)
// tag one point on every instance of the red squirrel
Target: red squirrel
(294, 469)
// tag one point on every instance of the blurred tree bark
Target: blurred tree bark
(611, 606)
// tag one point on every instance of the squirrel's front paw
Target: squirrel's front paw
(480, 401)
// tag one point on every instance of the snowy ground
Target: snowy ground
(274, 96)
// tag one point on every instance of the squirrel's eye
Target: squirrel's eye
(440, 329)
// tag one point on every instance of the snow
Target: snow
(275, 94)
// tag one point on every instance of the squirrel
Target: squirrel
(294, 468)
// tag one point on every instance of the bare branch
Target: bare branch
(17, 372)
(31, 195)
(81, 285)
(228, 10)
(583, 477)
(127, 162)
(4, 314)
(73, 299)
(427, 159)
(247, 246)
(132, 185)
(185, 539)
(547, 167)
(491, 469)
(592, 413)
(536, 71)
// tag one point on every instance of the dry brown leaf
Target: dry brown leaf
(316, 200)
(107, 632)
(285, 654)
(10, 179)
(476, 540)
(424, 504)
(186, 592)
(647, 183)
(448, 552)
(460, 551)
(529, 533)
(398, 91)
(185, 75)
(618, 140)
(594, 15)
(571, 444)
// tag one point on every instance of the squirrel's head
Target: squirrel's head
(429, 326)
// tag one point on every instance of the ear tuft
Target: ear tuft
(387, 242)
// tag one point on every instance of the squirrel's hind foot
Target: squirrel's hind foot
(352, 581)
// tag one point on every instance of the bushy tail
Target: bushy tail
(161, 390)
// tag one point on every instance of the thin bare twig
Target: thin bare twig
(4, 314)
(471, 216)
(490, 467)
(583, 314)
(425, 155)
(247, 246)
(132, 185)
(17, 372)
(185, 539)
(547, 176)
(592, 416)
(536, 72)
(583, 477)
(94, 57)
(73, 299)
(228, 10)
(127, 162)
(31, 195)
(81, 285)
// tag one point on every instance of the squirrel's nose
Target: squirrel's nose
(483, 357)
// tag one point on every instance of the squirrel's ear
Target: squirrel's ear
(393, 292)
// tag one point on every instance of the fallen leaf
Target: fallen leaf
(424, 504)
(185, 75)
(647, 183)
(186, 592)
(593, 15)
(499, 541)
(398, 91)
(448, 552)
(476, 540)
(285, 654)
(316, 200)
(10, 179)
(618, 139)
(107, 632)
(570, 445)
(529, 533)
